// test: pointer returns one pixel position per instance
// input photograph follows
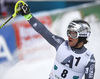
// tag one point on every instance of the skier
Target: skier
(73, 59)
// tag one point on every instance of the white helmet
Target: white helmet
(82, 29)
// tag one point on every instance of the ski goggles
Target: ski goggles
(72, 34)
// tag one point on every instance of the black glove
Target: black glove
(24, 9)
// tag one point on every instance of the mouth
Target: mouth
(70, 40)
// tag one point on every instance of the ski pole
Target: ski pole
(16, 10)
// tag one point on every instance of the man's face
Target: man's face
(71, 41)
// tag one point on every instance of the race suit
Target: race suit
(70, 63)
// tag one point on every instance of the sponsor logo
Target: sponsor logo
(35, 24)
(55, 67)
(86, 70)
(91, 71)
(87, 55)
(75, 77)
(26, 34)
(5, 53)
(29, 17)
(57, 77)
(57, 40)
(92, 60)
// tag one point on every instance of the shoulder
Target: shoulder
(88, 53)
(64, 45)
(91, 58)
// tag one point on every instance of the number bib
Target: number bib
(61, 72)
(69, 65)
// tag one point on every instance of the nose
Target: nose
(69, 37)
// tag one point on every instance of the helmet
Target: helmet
(82, 29)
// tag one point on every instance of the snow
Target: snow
(37, 67)
(35, 70)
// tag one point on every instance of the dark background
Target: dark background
(50, 5)
(36, 6)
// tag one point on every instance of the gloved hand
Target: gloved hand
(24, 9)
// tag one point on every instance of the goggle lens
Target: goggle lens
(72, 34)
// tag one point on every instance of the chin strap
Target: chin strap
(80, 39)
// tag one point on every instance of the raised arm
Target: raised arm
(40, 28)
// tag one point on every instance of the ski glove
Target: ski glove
(24, 9)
